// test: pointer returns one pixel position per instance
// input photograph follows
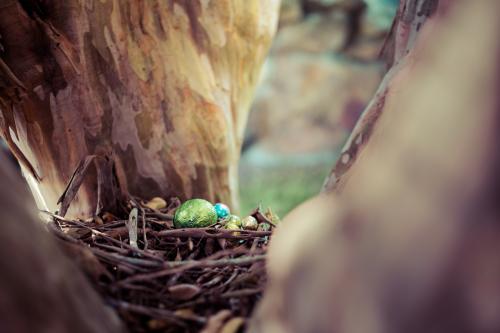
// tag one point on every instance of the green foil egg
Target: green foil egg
(233, 219)
(232, 226)
(195, 213)
(264, 227)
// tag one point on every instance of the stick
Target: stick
(132, 228)
(174, 267)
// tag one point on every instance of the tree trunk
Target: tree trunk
(411, 243)
(162, 88)
(411, 17)
(40, 289)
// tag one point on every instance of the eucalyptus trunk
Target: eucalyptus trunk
(159, 90)
(407, 236)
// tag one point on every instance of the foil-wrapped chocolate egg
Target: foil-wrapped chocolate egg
(195, 213)
(232, 226)
(233, 219)
(249, 223)
(222, 210)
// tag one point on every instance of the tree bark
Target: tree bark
(162, 88)
(397, 52)
(40, 289)
(411, 242)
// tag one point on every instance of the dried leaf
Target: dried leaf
(185, 313)
(156, 203)
(233, 325)
(184, 292)
(261, 217)
(216, 322)
(272, 216)
(108, 217)
(213, 282)
(98, 220)
(157, 324)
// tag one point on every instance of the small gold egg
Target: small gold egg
(250, 223)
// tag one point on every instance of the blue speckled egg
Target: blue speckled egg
(222, 210)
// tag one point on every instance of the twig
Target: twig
(174, 267)
(160, 215)
(120, 259)
(122, 232)
(144, 233)
(112, 248)
(213, 233)
(74, 184)
(259, 216)
(96, 232)
(152, 312)
(140, 279)
(240, 293)
(132, 228)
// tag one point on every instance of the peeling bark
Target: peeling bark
(163, 87)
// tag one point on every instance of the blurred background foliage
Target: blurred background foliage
(321, 71)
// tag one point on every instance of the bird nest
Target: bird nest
(159, 278)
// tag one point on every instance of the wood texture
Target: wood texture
(163, 87)
(40, 289)
(412, 15)
(411, 243)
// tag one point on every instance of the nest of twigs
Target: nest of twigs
(159, 278)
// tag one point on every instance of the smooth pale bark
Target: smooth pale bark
(40, 289)
(162, 87)
(397, 51)
(412, 241)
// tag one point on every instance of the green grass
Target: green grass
(281, 188)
